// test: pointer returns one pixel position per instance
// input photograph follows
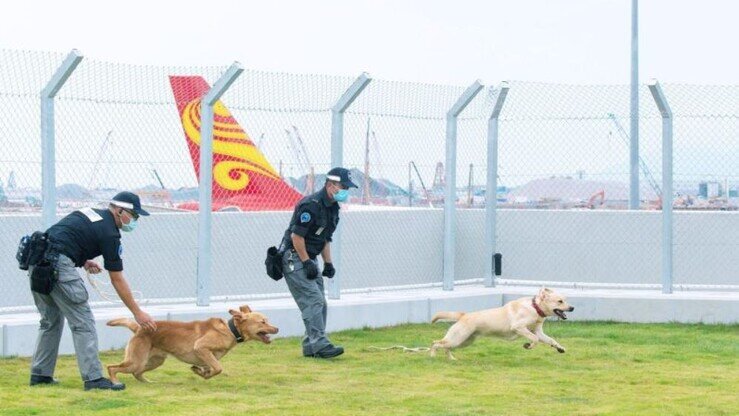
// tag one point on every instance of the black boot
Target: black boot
(329, 352)
(36, 380)
(103, 384)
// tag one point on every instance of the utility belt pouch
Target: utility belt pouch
(43, 277)
(273, 263)
(31, 249)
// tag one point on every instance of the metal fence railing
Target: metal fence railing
(560, 177)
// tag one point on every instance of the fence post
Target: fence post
(337, 159)
(450, 177)
(634, 110)
(205, 192)
(491, 200)
(48, 150)
(666, 112)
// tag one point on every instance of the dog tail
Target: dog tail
(128, 323)
(447, 316)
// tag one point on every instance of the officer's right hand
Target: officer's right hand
(311, 270)
(145, 320)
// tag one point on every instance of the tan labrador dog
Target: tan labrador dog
(521, 317)
(200, 343)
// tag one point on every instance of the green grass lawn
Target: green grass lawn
(609, 368)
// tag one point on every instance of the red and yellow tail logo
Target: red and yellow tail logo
(242, 176)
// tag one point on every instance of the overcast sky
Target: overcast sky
(447, 42)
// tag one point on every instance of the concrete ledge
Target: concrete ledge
(377, 309)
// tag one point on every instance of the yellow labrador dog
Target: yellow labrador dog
(521, 317)
(200, 343)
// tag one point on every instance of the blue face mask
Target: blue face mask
(341, 196)
(130, 226)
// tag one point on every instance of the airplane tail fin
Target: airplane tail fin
(242, 175)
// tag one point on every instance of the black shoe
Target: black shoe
(42, 380)
(103, 384)
(329, 352)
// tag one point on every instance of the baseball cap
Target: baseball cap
(130, 201)
(341, 175)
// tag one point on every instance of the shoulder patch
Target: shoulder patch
(305, 217)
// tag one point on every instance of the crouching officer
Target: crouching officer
(313, 223)
(73, 242)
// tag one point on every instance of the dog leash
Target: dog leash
(400, 347)
(96, 283)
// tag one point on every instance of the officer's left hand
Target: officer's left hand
(92, 267)
(328, 270)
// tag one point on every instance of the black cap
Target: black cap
(130, 201)
(342, 176)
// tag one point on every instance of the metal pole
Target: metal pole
(337, 159)
(634, 110)
(48, 151)
(667, 192)
(205, 205)
(450, 177)
(491, 188)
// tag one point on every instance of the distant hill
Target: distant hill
(379, 188)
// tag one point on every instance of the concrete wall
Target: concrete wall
(394, 247)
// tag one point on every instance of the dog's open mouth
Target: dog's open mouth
(264, 337)
(560, 313)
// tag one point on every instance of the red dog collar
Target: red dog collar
(538, 309)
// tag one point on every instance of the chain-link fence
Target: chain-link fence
(563, 175)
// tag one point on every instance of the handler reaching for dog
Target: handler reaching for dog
(73, 242)
(313, 223)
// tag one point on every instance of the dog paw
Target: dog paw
(527, 345)
(560, 350)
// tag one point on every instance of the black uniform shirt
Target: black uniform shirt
(86, 234)
(315, 218)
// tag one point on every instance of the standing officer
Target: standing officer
(313, 223)
(75, 239)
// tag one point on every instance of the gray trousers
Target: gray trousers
(309, 296)
(68, 299)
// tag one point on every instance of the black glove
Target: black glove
(311, 270)
(329, 270)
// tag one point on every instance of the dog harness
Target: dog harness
(234, 331)
(538, 309)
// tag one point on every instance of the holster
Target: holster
(273, 263)
(36, 251)
(43, 277)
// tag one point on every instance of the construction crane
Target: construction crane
(296, 143)
(423, 186)
(11, 181)
(439, 180)
(378, 157)
(98, 160)
(470, 186)
(156, 176)
(645, 169)
(366, 186)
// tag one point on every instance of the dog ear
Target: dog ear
(245, 309)
(543, 292)
(234, 313)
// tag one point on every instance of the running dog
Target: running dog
(200, 343)
(521, 317)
